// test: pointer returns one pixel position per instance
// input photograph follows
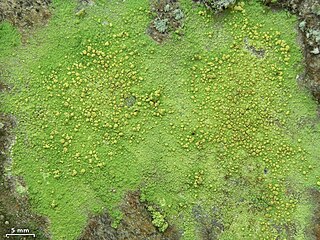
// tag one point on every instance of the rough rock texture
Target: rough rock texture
(167, 17)
(218, 5)
(135, 225)
(308, 12)
(24, 13)
(210, 224)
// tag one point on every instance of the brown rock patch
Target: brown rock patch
(135, 225)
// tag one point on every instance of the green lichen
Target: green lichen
(158, 219)
(201, 120)
(161, 24)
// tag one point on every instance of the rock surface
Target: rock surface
(135, 225)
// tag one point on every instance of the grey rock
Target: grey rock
(315, 51)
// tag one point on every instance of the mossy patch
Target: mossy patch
(196, 121)
(9, 38)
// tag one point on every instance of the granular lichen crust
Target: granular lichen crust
(209, 125)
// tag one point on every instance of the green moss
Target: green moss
(9, 38)
(158, 219)
(212, 117)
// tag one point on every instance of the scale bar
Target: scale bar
(21, 234)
